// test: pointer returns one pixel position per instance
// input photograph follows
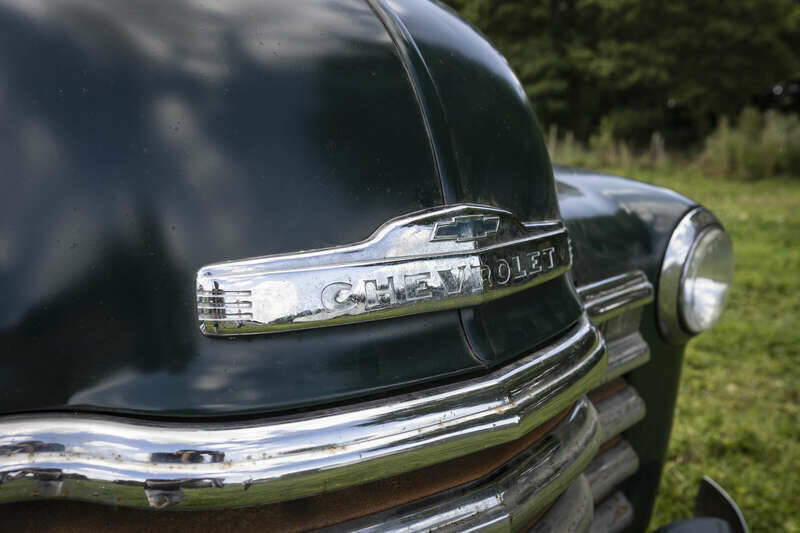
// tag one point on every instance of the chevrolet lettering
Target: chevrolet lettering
(436, 259)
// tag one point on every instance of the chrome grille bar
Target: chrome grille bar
(511, 496)
(609, 297)
(619, 412)
(611, 467)
(140, 464)
(616, 304)
(625, 354)
(572, 513)
(614, 514)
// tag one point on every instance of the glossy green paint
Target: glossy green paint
(616, 224)
(491, 151)
(144, 140)
(275, 130)
(498, 154)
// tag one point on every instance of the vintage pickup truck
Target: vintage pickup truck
(311, 259)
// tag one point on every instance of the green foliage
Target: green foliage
(758, 146)
(761, 145)
(738, 414)
(604, 150)
(642, 66)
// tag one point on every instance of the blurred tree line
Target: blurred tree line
(632, 67)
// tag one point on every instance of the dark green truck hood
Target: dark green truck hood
(142, 140)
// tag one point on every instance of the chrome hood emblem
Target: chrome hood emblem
(442, 258)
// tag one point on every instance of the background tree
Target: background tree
(636, 66)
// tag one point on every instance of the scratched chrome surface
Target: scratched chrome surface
(619, 412)
(512, 496)
(509, 498)
(614, 514)
(610, 468)
(572, 512)
(442, 258)
(205, 465)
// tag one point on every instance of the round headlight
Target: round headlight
(696, 276)
(706, 280)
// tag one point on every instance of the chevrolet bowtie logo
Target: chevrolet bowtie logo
(465, 228)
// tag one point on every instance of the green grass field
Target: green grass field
(738, 416)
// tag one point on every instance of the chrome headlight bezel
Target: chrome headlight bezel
(690, 231)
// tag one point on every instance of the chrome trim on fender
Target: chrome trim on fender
(442, 258)
(683, 239)
(609, 297)
(208, 465)
(509, 498)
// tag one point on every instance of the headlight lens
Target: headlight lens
(706, 280)
(695, 277)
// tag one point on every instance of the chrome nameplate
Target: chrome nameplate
(443, 258)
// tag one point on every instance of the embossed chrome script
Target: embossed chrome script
(443, 258)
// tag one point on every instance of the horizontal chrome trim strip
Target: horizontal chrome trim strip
(625, 354)
(610, 468)
(509, 498)
(610, 297)
(140, 464)
(441, 258)
(494, 503)
(619, 412)
(572, 512)
(613, 515)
